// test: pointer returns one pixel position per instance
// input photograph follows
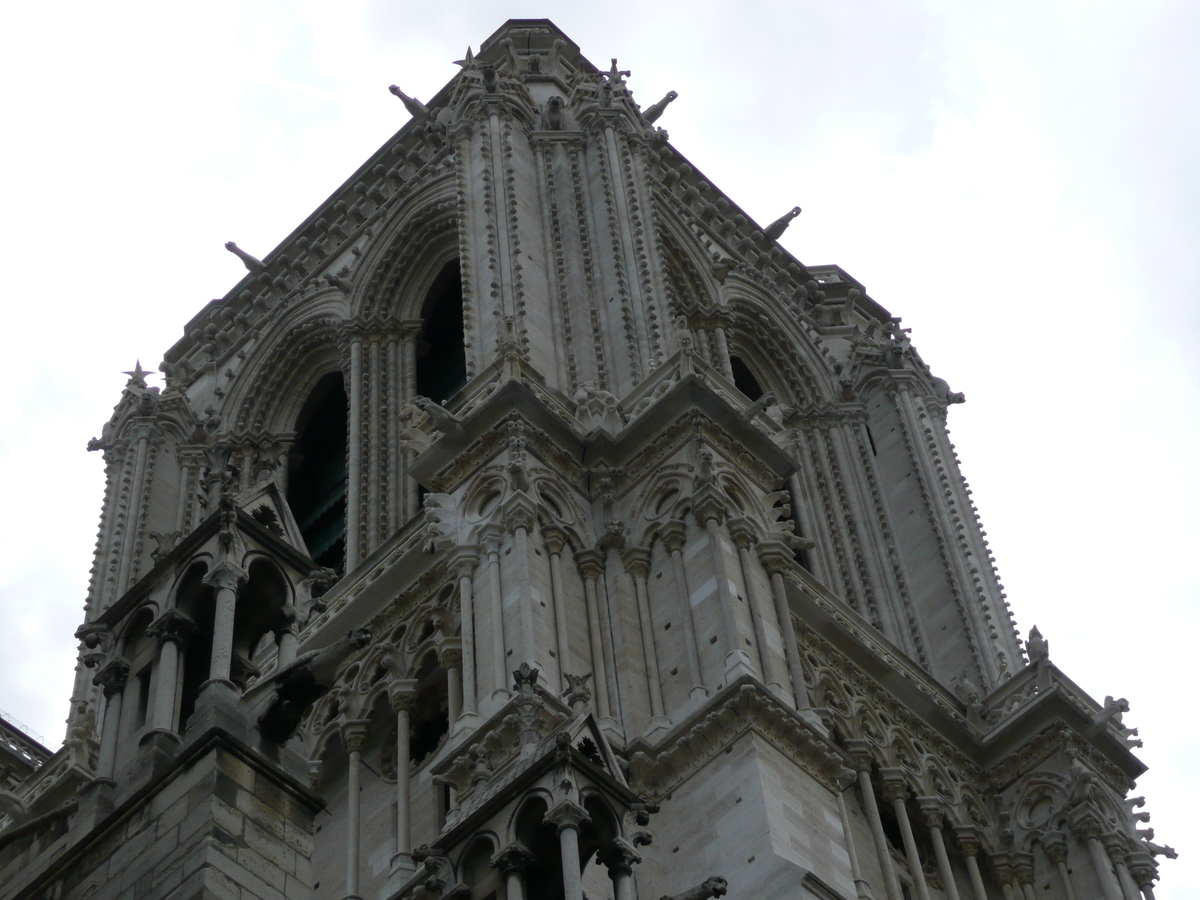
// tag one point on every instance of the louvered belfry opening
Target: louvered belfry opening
(317, 473)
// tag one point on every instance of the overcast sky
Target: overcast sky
(1017, 180)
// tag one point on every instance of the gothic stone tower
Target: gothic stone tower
(530, 524)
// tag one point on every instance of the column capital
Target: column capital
(450, 655)
(1002, 866)
(1055, 845)
(591, 562)
(673, 534)
(743, 531)
(776, 556)
(931, 811)
(464, 560)
(290, 617)
(637, 561)
(1022, 864)
(967, 838)
(226, 576)
(513, 858)
(894, 784)
(491, 534)
(402, 692)
(354, 734)
(1143, 868)
(172, 625)
(112, 676)
(620, 857)
(567, 814)
(1116, 846)
(519, 513)
(1086, 824)
(860, 752)
(708, 505)
(555, 539)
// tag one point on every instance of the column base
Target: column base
(161, 738)
(466, 722)
(218, 706)
(737, 664)
(658, 725)
(698, 692)
(611, 729)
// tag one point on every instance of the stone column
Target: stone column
(172, 629)
(620, 859)
(402, 694)
(673, 535)
(354, 468)
(710, 514)
(465, 561)
(591, 565)
(862, 889)
(1001, 865)
(354, 735)
(450, 656)
(745, 537)
(227, 579)
(637, 563)
(931, 811)
(1087, 828)
(1023, 871)
(410, 328)
(968, 843)
(1055, 845)
(722, 348)
(491, 544)
(1118, 851)
(519, 519)
(1144, 871)
(895, 792)
(289, 636)
(111, 678)
(512, 862)
(776, 557)
(555, 540)
(567, 817)
(862, 760)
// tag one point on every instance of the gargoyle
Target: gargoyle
(710, 887)
(654, 111)
(11, 805)
(415, 107)
(304, 681)
(443, 420)
(253, 265)
(775, 230)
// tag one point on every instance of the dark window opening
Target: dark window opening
(143, 698)
(195, 600)
(257, 615)
(430, 716)
(744, 380)
(441, 356)
(543, 878)
(317, 473)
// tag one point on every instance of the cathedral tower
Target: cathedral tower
(531, 524)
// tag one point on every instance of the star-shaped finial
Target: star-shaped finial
(467, 61)
(614, 74)
(137, 377)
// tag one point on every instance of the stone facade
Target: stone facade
(530, 524)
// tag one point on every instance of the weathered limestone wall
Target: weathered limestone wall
(754, 817)
(219, 826)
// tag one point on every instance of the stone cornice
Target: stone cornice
(744, 707)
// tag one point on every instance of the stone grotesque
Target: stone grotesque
(597, 408)
(415, 107)
(1037, 646)
(303, 681)
(443, 420)
(552, 116)
(653, 112)
(716, 886)
(775, 230)
(253, 264)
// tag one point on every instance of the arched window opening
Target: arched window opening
(478, 872)
(543, 878)
(195, 600)
(259, 607)
(744, 380)
(441, 356)
(317, 473)
(430, 715)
